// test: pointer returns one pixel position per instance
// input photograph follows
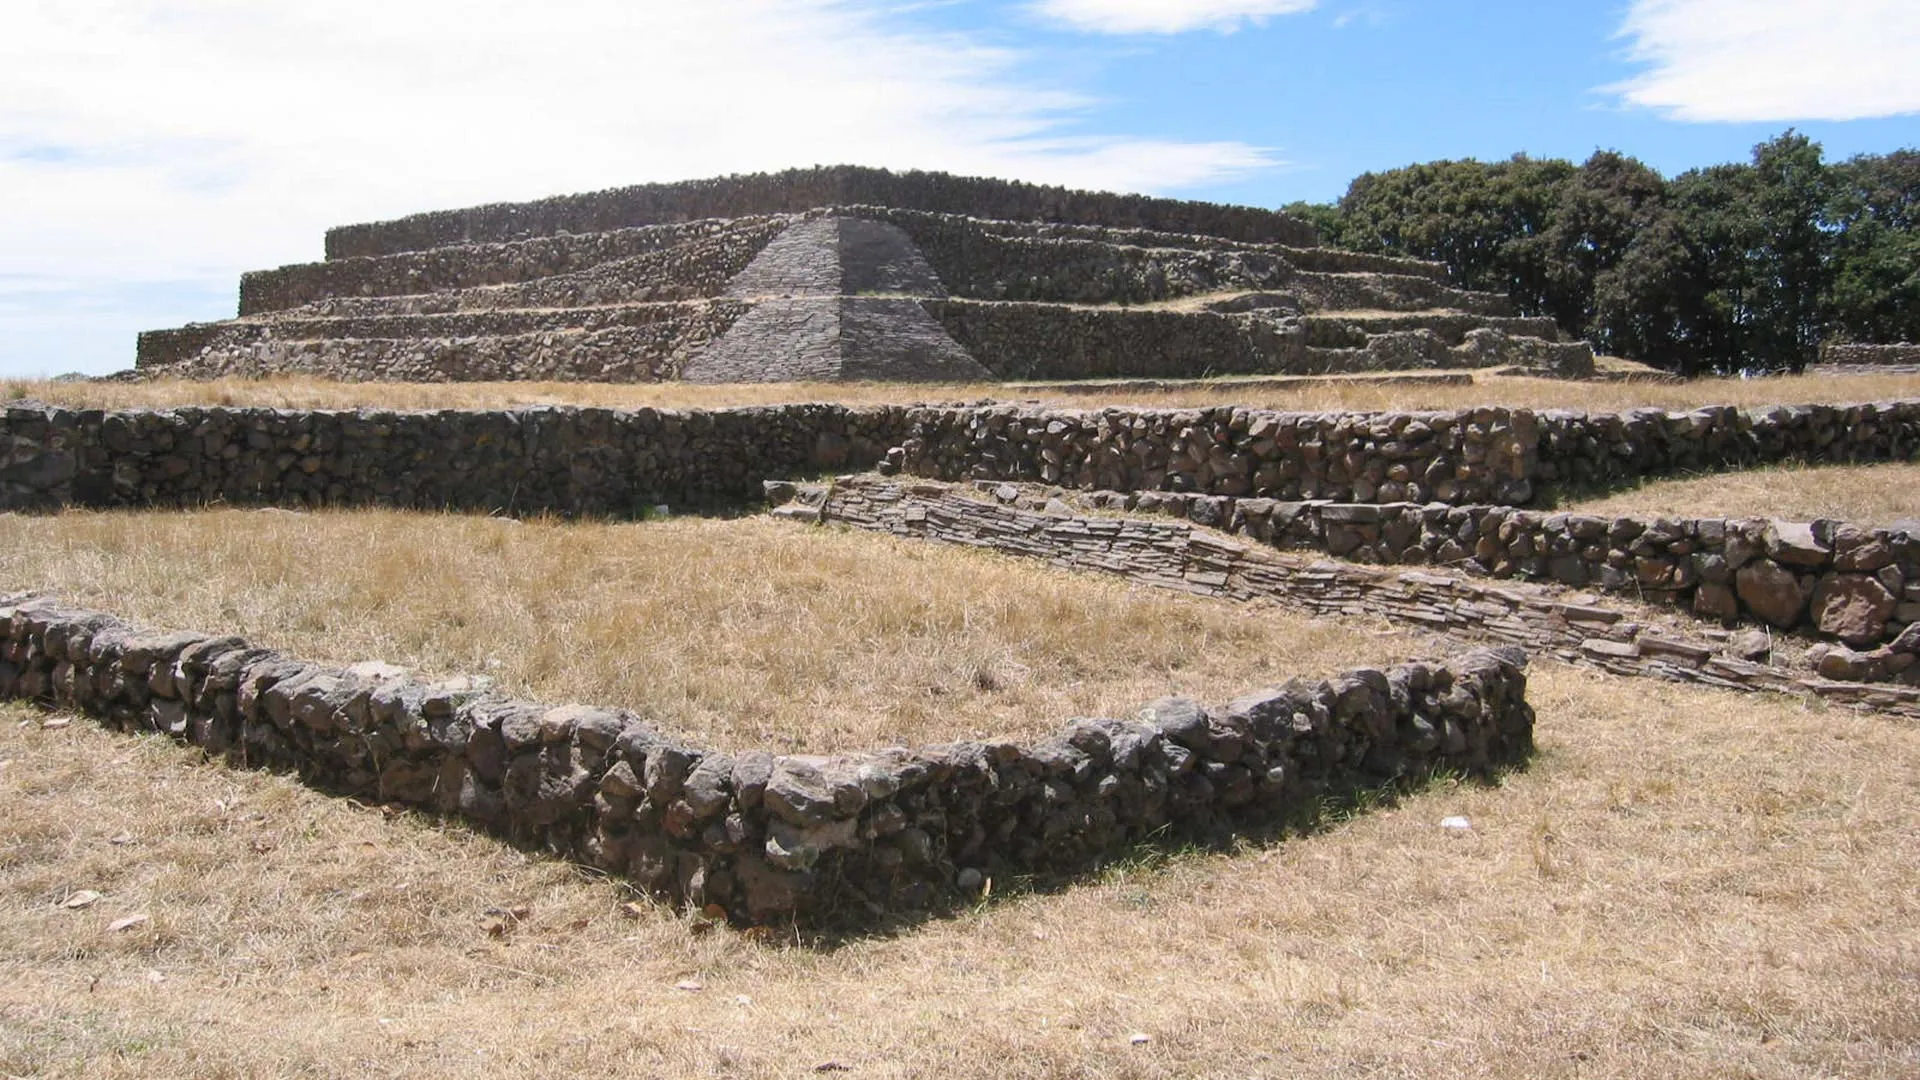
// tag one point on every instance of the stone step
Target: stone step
(615, 354)
(165, 347)
(698, 258)
(1365, 291)
(1352, 329)
(1032, 341)
(980, 259)
(800, 337)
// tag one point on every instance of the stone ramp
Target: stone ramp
(808, 322)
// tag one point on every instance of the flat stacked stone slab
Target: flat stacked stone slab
(850, 274)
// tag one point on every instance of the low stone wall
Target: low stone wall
(538, 460)
(1486, 455)
(605, 461)
(1900, 359)
(1904, 354)
(1474, 455)
(797, 190)
(1603, 449)
(1857, 585)
(1177, 555)
(833, 840)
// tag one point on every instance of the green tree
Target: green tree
(1324, 217)
(1873, 275)
(1486, 222)
(1790, 192)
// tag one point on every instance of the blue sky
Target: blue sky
(151, 150)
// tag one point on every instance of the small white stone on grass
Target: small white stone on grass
(1456, 825)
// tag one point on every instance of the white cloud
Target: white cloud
(1774, 60)
(181, 141)
(1165, 16)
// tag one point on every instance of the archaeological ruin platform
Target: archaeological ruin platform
(850, 274)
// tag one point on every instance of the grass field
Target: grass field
(1864, 494)
(297, 392)
(740, 633)
(1685, 883)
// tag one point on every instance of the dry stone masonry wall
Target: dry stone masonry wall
(606, 461)
(1179, 555)
(1900, 359)
(1855, 585)
(804, 189)
(833, 840)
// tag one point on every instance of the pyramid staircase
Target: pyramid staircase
(905, 291)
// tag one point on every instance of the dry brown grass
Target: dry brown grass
(746, 633)
(299, 392)
(1686, 883)
(1864, 494)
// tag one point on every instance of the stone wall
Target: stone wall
(1857, 585)
(605, 461)
(1027, 341)
(1604, 449)
(1177, 555)
(559, 460)
(833, 840)
(674, 261)
(999, 260)
(806, 189)
(628, 343)
(1476, 455)
(1852, 359)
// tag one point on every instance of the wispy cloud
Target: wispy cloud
(1774, 60)
(1165, 16)
(185, 140)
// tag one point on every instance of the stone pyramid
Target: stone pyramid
(849, 273)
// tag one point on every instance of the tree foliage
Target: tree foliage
(1750, 265)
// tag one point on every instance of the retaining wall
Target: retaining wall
(559, 460)
(1179, 556)
(1024, 341)
(805, 189)
(629, 343)
(604, 461)
(1853, 584)
(837, 840)
(1898, 359)
(696, 258)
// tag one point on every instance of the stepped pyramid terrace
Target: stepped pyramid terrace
(850, 274)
